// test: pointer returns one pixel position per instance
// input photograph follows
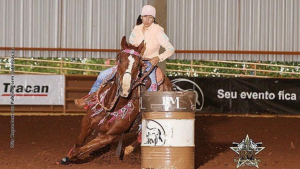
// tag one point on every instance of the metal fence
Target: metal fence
(217, 68)
(213, 68)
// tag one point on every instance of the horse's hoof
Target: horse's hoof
(128, 150)
(65, 161)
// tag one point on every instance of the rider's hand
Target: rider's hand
(154, 61)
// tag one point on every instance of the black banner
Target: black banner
(248, 95)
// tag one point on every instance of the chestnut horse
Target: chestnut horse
(115, 106)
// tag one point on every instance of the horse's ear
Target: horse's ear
(124, 44)
(143, 49)
(140, 47)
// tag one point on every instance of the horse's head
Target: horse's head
(129, 64)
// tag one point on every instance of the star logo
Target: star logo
(247, 150)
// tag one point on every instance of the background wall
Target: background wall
(97, 24)
(241, 25)
(161, 18)
(246, 25)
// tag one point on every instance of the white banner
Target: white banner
(33, 89)
(168, 132)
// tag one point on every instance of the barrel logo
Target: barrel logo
(155, 133)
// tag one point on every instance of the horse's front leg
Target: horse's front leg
(85, 131)
(97, 143)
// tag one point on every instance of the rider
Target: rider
(154, 37)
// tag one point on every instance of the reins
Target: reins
(140, 80)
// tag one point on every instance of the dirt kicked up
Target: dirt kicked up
(40, 141)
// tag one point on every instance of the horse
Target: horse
(114, 108)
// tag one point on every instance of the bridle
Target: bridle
(131, 52)
(138, 81)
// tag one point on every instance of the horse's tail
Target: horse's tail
(166, 84)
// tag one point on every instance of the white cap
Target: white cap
(148, 10)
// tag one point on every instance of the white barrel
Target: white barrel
(168, 130)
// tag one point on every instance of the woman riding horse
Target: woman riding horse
(153, 36)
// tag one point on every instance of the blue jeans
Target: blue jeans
(106, 73)
(152, 76)
(101, 77)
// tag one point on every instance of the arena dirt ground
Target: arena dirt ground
(40, 141)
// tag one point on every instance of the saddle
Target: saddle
(160, 77)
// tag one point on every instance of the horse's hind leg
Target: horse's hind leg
(129, 149)
(99, 142)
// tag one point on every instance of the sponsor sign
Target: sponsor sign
(33, 89)
(247, 95)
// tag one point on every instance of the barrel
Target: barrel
(168, 127)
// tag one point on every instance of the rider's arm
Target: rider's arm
(136, 36)
(164, 41)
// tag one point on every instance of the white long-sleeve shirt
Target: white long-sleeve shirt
(154, 37)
